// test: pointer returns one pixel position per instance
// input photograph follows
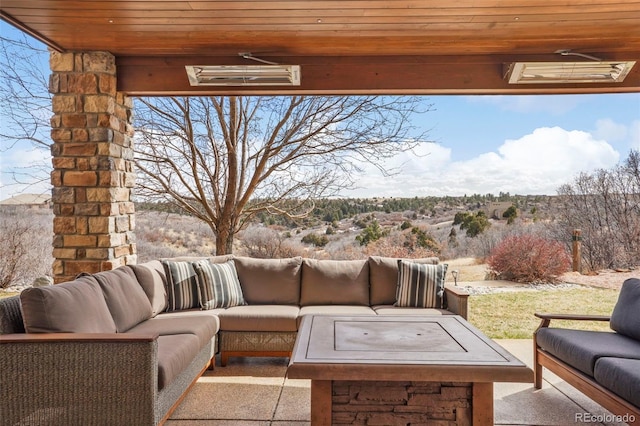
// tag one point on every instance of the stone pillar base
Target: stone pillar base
(401, 403)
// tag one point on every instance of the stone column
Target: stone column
(92, 174)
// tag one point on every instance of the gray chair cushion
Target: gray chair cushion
(621, 376)
(581, 349)
(383, 273)
(153, 281)
(204, 327)
(334, 282)
(270, 281)
(126, 300)
(73, 307)
(175, 353)
(259, 318)
(625, 318)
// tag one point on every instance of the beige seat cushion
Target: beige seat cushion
(191, 312)
(334, 282)
(125, 298)
(175, 353)
(384, 277)
(395, 310)
(334, 310)
(204, 327)
(259, 318)
(270, 281)
(73, 307)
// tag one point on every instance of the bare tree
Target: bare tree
(605, 205)
(224, 159)
(25, 252)
(25, 101)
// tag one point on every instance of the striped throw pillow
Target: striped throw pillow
(420, 285)
(182, 285)
(218, 284)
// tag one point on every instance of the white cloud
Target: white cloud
(537, 163)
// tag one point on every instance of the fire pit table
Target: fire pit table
(396, 370)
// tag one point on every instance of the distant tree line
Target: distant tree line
(605, 206)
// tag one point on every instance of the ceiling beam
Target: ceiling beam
(473, 74)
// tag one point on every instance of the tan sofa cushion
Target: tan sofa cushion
(175, 353)
(203, 326)
(270, 281)
(259, 318)
(125, 299)
(73, 307)
(334, 310)
(334, 282)
(384, 277)
(397, 310)
(153, 281)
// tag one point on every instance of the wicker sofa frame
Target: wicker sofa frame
(111, 378)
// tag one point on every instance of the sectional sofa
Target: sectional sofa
(123, 347)
(603, 365)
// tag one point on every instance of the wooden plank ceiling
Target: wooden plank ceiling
(343, 46)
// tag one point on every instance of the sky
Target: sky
(478, 144)
(516, 144)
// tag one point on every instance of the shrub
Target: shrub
(528, 258)
(315, 239)
(474, 224)
(510, 214)
(371, 233)
(398, 244)
(267, 243)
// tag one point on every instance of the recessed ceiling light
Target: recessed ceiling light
(567, 72)
(243, 75)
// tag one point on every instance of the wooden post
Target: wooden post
(577, 250)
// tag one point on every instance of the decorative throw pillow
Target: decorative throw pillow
(182, 285)
(218, 284)
(420, 285)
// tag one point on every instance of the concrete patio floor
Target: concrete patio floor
(255, 392)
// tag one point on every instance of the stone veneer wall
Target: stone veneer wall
(92, 174)
(401, 403)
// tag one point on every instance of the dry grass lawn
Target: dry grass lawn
(468, 269)
(510, 315)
